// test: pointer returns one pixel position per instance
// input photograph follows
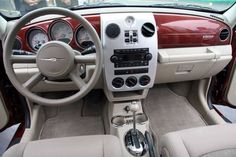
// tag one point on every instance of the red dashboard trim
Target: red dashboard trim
(174, 30)
(45, 25)
(186, 31)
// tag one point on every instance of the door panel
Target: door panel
(12, 110)
(4, 115)
(231, 87)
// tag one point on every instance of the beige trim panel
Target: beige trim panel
(231, 93)
(4, 116)
(181, 64)
(173, 65)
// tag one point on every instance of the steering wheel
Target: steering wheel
(55, 60)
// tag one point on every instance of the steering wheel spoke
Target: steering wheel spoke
(23, 59)
(77, 80)
(36, 78)
(85, 59)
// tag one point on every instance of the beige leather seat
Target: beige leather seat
(83, 146)
(210, 141)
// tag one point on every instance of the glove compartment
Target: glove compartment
(181, 64)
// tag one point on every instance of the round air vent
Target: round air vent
(112, 30)
(224, 34)
(148, 29)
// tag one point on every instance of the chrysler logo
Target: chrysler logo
(51, 59)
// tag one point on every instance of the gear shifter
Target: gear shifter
(134, 139)
(134, 107)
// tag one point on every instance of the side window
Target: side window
(5, 5)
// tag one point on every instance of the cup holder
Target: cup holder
(119, 121)
(141, 118)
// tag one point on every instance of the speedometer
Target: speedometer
(61, 31)
(83, 38)
(36, 38)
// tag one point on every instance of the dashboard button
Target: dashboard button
(127, 40)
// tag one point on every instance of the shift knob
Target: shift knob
(134, 107)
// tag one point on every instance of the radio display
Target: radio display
(126, 55)
(130, 57)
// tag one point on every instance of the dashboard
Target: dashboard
(140, 48)
(174, 30)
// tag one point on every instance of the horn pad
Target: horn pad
(55, 59)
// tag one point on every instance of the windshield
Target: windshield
(17, 8)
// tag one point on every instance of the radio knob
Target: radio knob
(114, 59)
(148, 56)
(131, 81)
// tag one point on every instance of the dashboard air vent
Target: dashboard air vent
(224, 34)
(112, 30)
(148, 29)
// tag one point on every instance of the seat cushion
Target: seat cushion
(209, 141)
(82, 146)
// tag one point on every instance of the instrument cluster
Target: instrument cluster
(61, 30)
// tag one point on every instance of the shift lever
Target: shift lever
(134, 107)
(134, 139)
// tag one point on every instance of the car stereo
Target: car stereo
(131, 57)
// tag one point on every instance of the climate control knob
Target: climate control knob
(117, 82)
(131, 81)
(144, 80)
(114, 59)
(148, 56)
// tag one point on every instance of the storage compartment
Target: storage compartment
(181, 64)
(126, 95)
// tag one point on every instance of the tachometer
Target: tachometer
(61, 31)
(36, 38)
(83, 38)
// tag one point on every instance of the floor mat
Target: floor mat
(170, 112)
(71, 121)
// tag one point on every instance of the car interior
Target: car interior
(119, 78)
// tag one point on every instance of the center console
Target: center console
(131, 125)
(129, 43)
(130, 51)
